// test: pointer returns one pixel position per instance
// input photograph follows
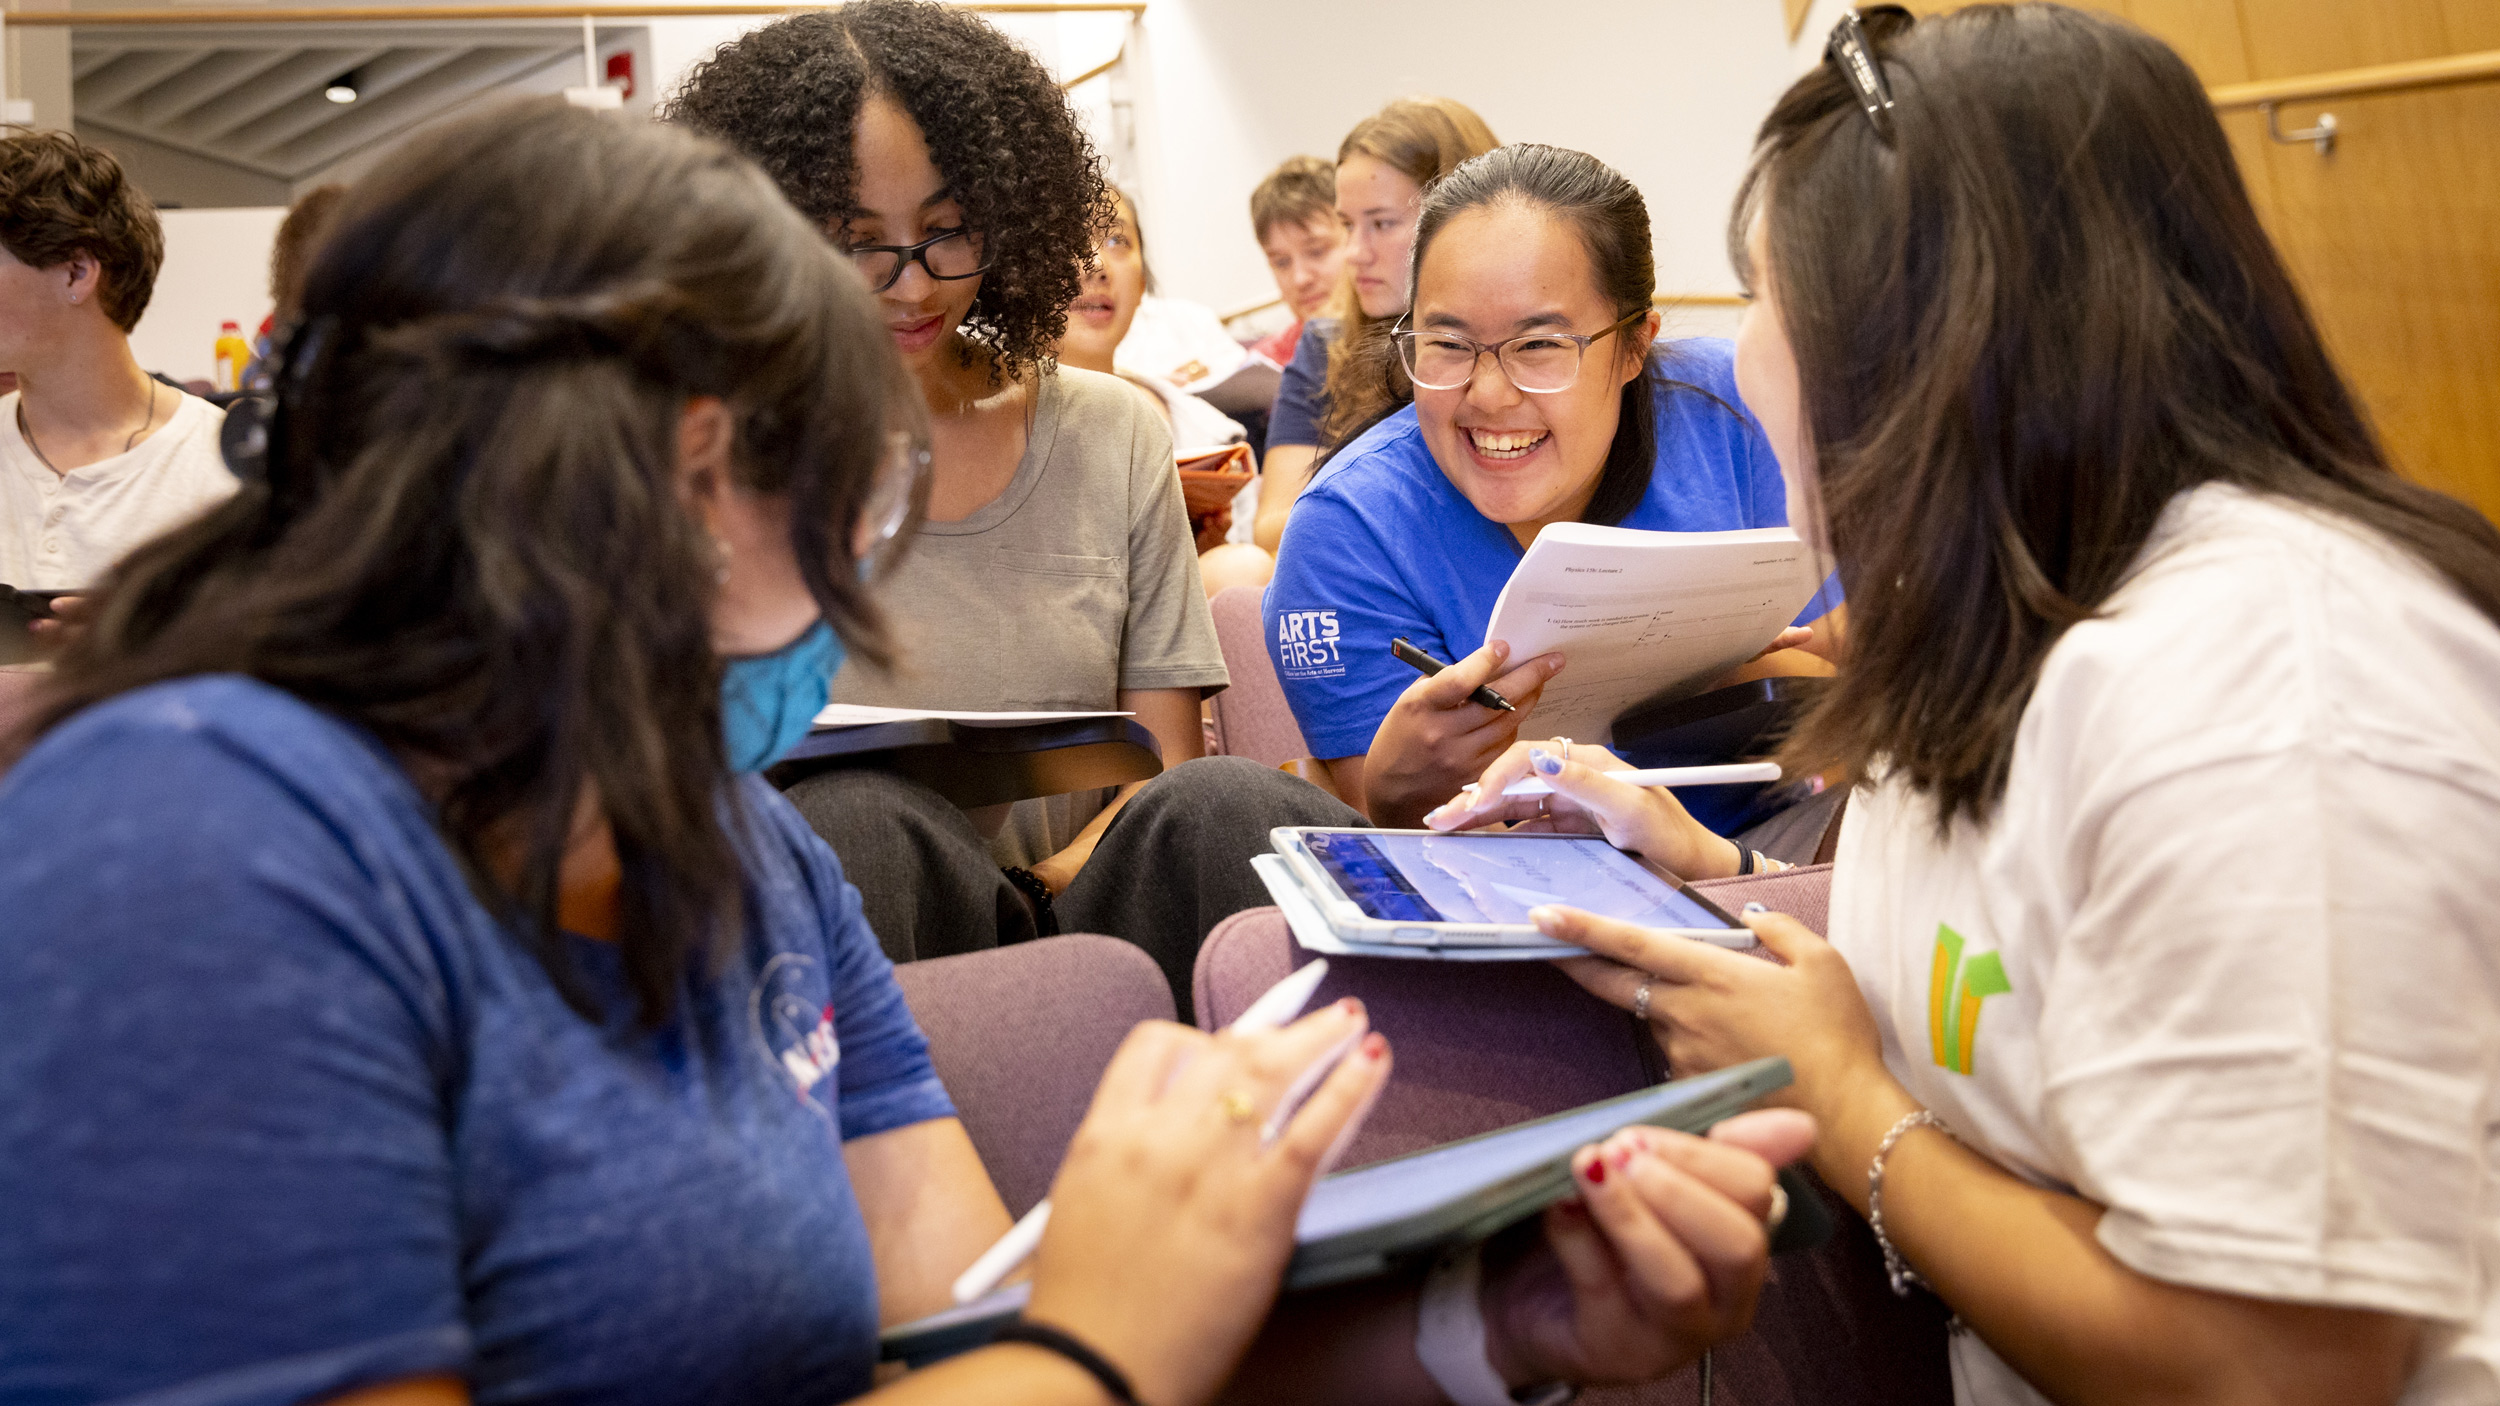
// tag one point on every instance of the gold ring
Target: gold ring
(1237, 1106)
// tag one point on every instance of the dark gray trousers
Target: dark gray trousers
(1174, 862)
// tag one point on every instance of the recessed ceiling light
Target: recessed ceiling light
(342, 89)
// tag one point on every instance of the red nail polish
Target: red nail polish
(1375, 1045)
(1622, 1158)
(1349, 1005)
(1597, 1171)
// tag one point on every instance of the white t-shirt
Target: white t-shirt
(1179, 341)
(2226, 958)
(64, 531)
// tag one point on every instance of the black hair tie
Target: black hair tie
(1049, 1339)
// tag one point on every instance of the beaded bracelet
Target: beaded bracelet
(1898, 1269)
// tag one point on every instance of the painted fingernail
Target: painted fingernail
(1375, 1045)
(1622, 1157)
(1756, 908)
(1350, 1006)
(1545, 762)
(1596, 1172)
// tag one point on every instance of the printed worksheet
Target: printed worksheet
(1645, 617)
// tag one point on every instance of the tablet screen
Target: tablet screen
(1497, 879)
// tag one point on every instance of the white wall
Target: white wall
(1667, 91)
(216, 270)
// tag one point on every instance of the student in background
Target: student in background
(415, 998)
(1382, 168)
(96, 456)
(289, 255)
(1540, 395)
(1293, 214)
(2159, 998)
(1057, 570)
(1097, 322)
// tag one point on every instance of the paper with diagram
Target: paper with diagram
(1645, 617)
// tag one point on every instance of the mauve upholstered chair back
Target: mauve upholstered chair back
(1022, 1034)
(1482, 1046)
(1252, 718)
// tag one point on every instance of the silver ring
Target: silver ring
(1542, 802)
(1779, 1208)
(1640, 1003)
(1566, 746)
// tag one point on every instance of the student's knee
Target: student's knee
(1223, 795)
(1234, 564)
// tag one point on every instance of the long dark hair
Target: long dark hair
(2024, 323)
(471, 542)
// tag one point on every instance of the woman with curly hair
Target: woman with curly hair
(1056, 569)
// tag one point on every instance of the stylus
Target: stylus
(1276, 1007)
(1739, 774)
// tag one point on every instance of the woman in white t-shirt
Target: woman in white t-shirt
(2159, 1025)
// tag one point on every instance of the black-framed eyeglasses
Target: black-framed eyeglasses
(949, 255)
(1852, 52)
(1539, 363)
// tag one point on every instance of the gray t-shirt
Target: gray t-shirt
(1079, 581)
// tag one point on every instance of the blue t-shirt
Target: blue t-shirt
(1382, 544)
(1301, 393)
(287, 1113)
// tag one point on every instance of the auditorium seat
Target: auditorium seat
(1021, 1035)
(1482, 1046)
(1251, 717)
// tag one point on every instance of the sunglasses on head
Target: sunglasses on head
(1851, 49)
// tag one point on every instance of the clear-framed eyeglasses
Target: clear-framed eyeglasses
(1539, 363)
(949, 255)
(901, 486)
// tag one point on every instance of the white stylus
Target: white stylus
(1277, 1006)
(1742, 773)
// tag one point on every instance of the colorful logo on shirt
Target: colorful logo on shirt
(1306, 644)
(793, 1023)
(1956, 987)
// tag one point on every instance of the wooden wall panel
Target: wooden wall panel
(2391, 240)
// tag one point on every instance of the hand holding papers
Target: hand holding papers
(1640, 617)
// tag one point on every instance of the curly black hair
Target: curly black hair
(788, 95)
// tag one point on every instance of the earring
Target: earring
(721, 544)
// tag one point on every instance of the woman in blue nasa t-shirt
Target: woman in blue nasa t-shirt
(1570, 412)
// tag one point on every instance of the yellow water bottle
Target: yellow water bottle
(233, 355)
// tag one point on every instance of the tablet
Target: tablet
(1374, 1219)
(1423, 888)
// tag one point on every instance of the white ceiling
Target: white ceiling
(251, 95)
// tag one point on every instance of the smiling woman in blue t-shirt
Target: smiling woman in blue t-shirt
(1540, 395)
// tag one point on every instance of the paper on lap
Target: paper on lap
(860, 715)
(1644, 617)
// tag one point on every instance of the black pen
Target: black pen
(1428, 666)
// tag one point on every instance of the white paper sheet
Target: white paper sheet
(860, 715)
(1644, 617)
